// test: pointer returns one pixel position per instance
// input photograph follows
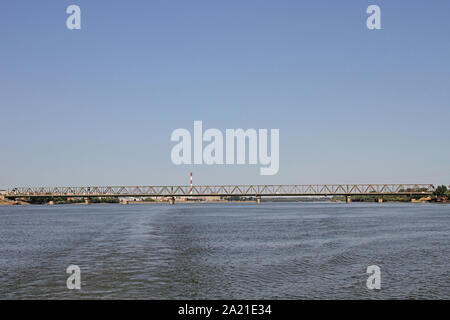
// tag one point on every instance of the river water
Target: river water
(226, 251)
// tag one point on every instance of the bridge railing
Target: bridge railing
(225, 190)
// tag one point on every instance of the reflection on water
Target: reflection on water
(226, 251)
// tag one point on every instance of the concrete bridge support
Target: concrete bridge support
(258, 199)
(172, 200)
(51, 203)
(87, 201)
(380, 200)
(124, 202)
(348, 199)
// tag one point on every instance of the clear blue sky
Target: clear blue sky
(97, 106)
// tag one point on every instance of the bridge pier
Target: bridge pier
(87, 201)
(51, 203)
(124, 202)
(348, 199)
(258, 200)
(380, 200)
(172, 200)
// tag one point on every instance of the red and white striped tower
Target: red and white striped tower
(191, 184)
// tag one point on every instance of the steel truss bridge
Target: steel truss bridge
(224, 190)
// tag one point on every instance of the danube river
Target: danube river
(226, 251)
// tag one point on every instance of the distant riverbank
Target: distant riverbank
(7, 202)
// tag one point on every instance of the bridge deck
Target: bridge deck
(225, 190)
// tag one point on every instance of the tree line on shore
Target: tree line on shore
(442, 193)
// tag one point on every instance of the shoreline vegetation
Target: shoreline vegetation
(441, 195)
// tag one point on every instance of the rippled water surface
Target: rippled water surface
(226, 251)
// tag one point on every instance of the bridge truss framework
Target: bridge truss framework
(225, 190)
